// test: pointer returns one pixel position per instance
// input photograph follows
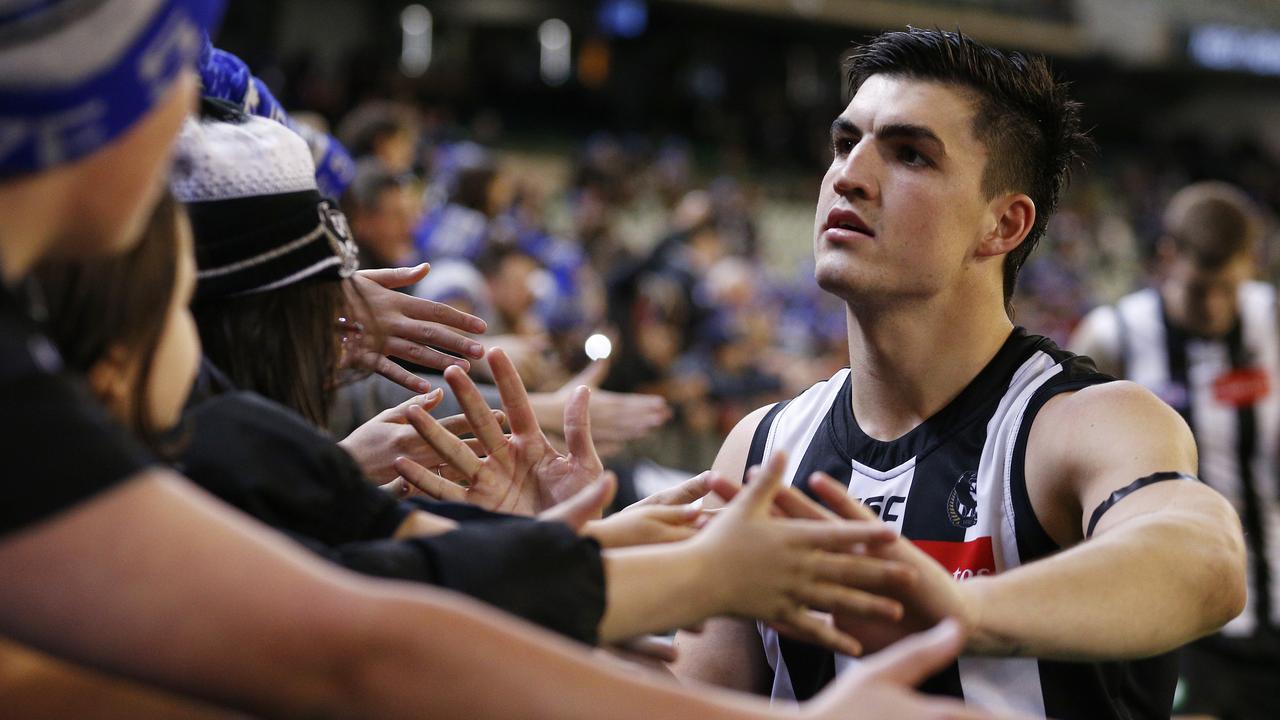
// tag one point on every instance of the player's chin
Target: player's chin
(836, 278)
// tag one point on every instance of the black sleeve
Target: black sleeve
(60, 447)
(540, 571)
(270, 463)
(461, 512)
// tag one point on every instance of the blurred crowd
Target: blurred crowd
(703, 305)
(1101, 243)
(634, 246)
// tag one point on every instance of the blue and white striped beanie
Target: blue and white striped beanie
(260, 223)
(227, 77)
(77, 74)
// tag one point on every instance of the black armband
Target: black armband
(1125, 491)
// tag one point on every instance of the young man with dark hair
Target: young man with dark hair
(1037, 500)
(381, 130)
(383, 213)
(1206, 340)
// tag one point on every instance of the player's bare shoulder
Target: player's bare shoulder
(1099, 422)
(1087, 443)
(731, 461)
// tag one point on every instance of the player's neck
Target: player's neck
(909, 363)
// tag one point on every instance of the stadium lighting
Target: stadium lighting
(1225, 47)
(598, 347)
(554, 66)
(415, 49)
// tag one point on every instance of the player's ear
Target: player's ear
(1009, 220)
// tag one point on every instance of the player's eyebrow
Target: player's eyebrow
(842, 125)
(909, 131)
(893, 131)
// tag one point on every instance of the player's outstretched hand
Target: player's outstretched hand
(933, 595)
(781, 570)
(520, 473)
(882, 685)
(417, 330)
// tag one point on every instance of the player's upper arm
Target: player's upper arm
(1098, 337)
(731, 461)
(1091, 446)
(1088, 444)
(727, 653)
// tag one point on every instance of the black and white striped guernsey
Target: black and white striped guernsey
(955, 487)
(1226, 390)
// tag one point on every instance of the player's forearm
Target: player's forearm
(654, 588)
(1157, 582)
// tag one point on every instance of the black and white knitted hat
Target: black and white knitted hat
(259, 221)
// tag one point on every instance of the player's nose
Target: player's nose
(856, 174)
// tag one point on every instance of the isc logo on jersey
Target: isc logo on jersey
(888, 500)
(886, 507)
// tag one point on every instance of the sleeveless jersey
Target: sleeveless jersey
(955, 486)
(1226, 390)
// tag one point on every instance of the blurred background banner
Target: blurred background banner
(647, 169)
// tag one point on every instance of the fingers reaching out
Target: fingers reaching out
(427, 401)
(521, 472)
(417, 330)
(835, 497)
(428, 482)
(515, 399)
(649, 525)
(450, 447)
(763, 484)
(397, 277)
(476, 410)
(912, 659)
(417, 308)
(588, 504)
(881, 686)
(815, 627)
(577, 426)
(691, 490)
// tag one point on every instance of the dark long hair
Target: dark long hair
(121, 301)
(283, 344)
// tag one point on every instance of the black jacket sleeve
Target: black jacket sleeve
(270, 463)
(267, 461)
(540, 571)
(462, 512)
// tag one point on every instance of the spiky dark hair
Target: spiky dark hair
(1022, 115)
